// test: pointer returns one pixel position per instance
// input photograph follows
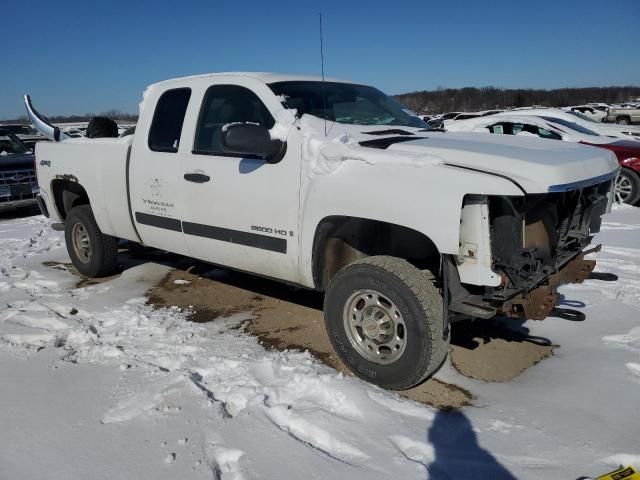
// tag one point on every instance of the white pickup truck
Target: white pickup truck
(334, 186)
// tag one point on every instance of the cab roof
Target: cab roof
(265, 77)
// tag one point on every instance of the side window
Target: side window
(224, 104)
(497, 128)
(166, 127)
(547, 134)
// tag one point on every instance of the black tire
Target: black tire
(102, 258)
(633, 180)
(623, 121)
(414, 294)
(102, 127)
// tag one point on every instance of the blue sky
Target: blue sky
(78, 57)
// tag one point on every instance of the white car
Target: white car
(468, 115)
(619, 131)
(593, 112)
(332, 185)
(626, 151)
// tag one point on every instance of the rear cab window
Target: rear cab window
(168, 118)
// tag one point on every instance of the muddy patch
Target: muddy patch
(496, 350)
(281, 317)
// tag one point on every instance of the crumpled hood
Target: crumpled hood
(535, 164)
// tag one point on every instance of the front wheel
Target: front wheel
(385, 320)
(627, 187)
(622, 121)
(93, 253)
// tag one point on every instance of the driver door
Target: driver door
(241, 211)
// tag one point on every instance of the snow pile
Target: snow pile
(285, 121)
(235, 411)
(323, 154)
(323, 413)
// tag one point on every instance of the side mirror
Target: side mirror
(252, 139)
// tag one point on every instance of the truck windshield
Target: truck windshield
(9, 144)
(345, 103)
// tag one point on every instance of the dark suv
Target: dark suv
(18, 183)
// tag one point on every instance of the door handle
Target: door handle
(196, 177)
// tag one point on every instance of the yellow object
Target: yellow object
(624, 473)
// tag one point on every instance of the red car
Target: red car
(627, 151)
(628, 182)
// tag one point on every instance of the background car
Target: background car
(627, 151)
(26, 133)
(618, 131)
(623, 115)
(594, 112)
(18, 183)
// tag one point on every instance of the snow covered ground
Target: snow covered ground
(97, 384)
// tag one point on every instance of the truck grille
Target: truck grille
(535, 235)
(18, 185)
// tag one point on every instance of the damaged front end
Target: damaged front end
(537, 243)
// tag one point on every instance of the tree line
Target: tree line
(468, 99)
(113, 114)
(471, 99)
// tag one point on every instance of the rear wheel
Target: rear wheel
(385, 320)
(627, 187)
(622, 121)
(93, 253)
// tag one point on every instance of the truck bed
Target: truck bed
(101, 171)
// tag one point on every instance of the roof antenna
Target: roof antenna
(324, 104)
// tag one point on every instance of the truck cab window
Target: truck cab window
(166, 127)
(222, 105)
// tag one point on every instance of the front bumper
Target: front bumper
(538, 303)
(7, 206)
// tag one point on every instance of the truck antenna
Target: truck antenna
(324, 104)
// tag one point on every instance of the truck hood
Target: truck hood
(537, 165)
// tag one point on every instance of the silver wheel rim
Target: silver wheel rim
(623, 189)
(375, 327)
(81, 242)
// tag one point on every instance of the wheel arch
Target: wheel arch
(67, 193)
(341, 240)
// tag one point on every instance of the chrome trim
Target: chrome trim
(41, 124)
(565, 187)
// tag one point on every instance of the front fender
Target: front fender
(633, 163)
(425, 198)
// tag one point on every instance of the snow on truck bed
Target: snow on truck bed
(98, 384)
